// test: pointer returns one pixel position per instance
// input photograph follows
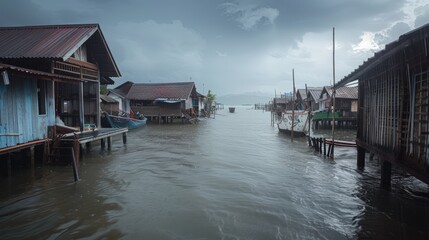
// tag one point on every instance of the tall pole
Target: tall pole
(307, 108)
(333, 91)
(293, 103)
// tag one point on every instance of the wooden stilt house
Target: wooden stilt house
(50, 72)
(393, 108)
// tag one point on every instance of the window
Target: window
(41, 96)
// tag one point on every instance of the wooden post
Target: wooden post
(360, 157)
(124, 137)
(109, 143)
(321, 144)
(81, 107)
(293, 103)
(386, 173)
(103, 143)
(9, 166)
(324, 146)
(32, 158)
(75, 171)
(333, 91)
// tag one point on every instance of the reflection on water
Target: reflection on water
(233, 177)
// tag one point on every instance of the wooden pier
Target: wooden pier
(64, 148)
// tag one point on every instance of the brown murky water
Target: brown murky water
(233, 177)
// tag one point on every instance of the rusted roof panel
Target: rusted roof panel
(42, 41)
(152, 91)
(56, 42)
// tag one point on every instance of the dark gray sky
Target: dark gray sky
(232, 46)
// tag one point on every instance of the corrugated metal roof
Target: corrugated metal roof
(43, 41)
(56, 42)
(342, 92)
(107, 99)
(315, 93)
(152, 91)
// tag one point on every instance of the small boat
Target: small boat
(232, 109)
(125, 122)
(300, 123)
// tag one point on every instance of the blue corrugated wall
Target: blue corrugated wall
(19, 111)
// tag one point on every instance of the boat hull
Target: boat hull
(123, 122)
(300, 123)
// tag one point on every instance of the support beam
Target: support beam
(32, 158)
(124, 137)
(103, 143)
(386, 174)
(75, 171)
(360, 157)
(81, 107)
(9, 166)
(109, 143)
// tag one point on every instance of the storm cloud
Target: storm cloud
(232, 46)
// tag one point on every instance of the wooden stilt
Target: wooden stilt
(9, 166)
(324, 146)
(74, 163)
(103, 143)
(386, 174)
(124, 137)
(109, 143)
(32, 161)
(360, 157)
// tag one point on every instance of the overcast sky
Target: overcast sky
(232, 46)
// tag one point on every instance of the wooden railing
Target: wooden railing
(77, 69)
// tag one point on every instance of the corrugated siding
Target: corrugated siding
(19, 112)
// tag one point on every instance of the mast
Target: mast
(333, 92)
(293, 103)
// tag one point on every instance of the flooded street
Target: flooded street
(232, 177)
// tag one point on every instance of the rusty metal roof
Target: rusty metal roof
(342, 92)
(57, 42)
(152, 91)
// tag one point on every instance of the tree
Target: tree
(103, 89)
(210, 100)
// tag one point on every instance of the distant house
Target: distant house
(120, 94)
(313, 98)
(109, 105)
(159, 100)
(199, 105)
(49, 71)
(346, 100)
(301, 98)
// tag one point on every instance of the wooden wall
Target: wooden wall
(394, 104)
(19, 112)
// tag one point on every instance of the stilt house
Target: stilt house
(50, 71)
(393, 113)
(159, 100)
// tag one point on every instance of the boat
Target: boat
(232, 109)
(300, 123)
(125, 122)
